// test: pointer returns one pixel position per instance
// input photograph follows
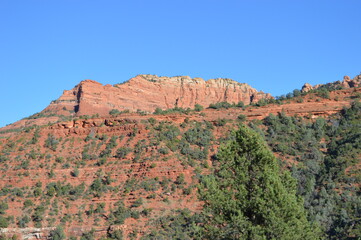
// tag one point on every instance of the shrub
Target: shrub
(180, 179)
(168, 132)
(296, 93)
(3, 222)
(241, 117)
(146, 211)
(38, 214)
(149, 185)
(220, 105)
(36, 137)
(198, 107)
(240, 104)
(187, 191)
(220, 122)
(137, 203)
(98, 187)
(135, 214)
(37, 192)
(100, 208)
(22, 222)
(89, 137)
(3, 158)
(151, 196)
(152, 121)
(324, 93)
(121, 213)
(88, 235)
(28, 203)
(116, 234)
(75, 172)
(101, 161)
(158, 111)
(114, 112)
(122, 152)
(51, 142)
(57, 233)
(262, 102)
(198, 136)
(3, 207)
(163, 150)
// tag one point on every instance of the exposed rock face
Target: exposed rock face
(307, 87)
(346, 83)
(147, 92)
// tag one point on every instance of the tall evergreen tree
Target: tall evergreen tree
(249, 197)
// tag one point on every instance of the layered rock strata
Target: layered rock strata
(148, 92)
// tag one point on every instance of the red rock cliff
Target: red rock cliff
(147, 92)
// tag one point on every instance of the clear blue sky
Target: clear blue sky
(275, 46)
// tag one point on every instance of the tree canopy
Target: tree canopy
(249, 197)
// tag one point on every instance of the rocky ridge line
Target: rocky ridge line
(148, 92)
(347, 82)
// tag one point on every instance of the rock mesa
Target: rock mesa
(147, 92)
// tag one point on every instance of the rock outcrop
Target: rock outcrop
(346, 83)
(148, 92)
(306, 87)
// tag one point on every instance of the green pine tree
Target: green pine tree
(249, 197)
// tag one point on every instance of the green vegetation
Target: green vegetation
(331, 195)
(36, 136)
(121, 213)
(57, 234)
(109, 147)
(117, 234)
(241, 117)
(159, 111)
(88, 235)
(311, 192)
(122, 152)
(178, 110)
(51, 142)
(226, 105)
(4, 222)
(116, 112)
(198, 136)
(198, 108)
(248, 197)
(3, 207)
(181, 224)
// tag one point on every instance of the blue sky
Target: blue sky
(275, 46)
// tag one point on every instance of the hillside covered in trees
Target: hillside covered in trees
(284, 168)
